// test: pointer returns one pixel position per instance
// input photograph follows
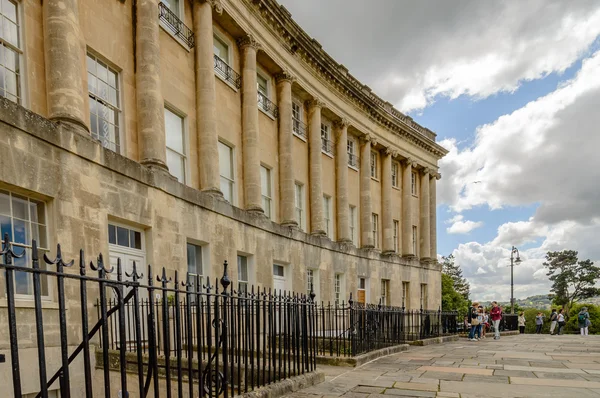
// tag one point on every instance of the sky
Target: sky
(512, 90)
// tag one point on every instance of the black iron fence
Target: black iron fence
(172, 21)
(299, 128)
(267, 105)
(187, 337)
(350, 329)
(227, 72)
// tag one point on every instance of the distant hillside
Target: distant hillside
(540, 301)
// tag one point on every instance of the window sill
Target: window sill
(177, 39)
(24, 303)
(327, 154)
(375, 179)
(353, 168)
(231, 86)
(266, 113)
(299, 137)
(414, 196)
(396, 188)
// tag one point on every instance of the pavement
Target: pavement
(525, 366)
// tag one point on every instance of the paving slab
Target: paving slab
(472, 371)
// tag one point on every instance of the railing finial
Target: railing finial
(225, 281)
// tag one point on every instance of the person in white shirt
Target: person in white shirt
(561, 321)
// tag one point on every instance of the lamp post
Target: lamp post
(513, 261)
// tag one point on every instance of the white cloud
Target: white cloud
(441, 49)
(461, 227)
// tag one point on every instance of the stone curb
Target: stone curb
(361, 359)
(287, 386)
(435, 340)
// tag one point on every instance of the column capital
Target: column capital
(410, 161)
(426, 171)
(437, 176)
(391, 151)
(285, 76)
(342, 123)
(215, 4)
(248, 41)
(369, 138)
(315, 103)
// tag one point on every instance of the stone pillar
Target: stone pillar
(206, 103)
(433, 215)
(287, 198)
(341, 180)
(317, 225)
(150, 102)
(425, 248)
(250, 148)
(63, 62)
(387, 219)
(407, 209)
(366, 212)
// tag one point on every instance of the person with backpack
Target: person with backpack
(496, 315)
(553, 321)
(561, 321)
(583, 319)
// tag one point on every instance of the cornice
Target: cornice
(298, 43)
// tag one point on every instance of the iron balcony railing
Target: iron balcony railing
(179, 29)
(299, 128)
(327, 145)
(227, 72)
(352, 160)
(267, 105)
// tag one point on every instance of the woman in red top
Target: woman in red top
(496, 314)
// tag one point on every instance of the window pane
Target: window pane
(225, 161)
(227, 189)
(262, 84)
(22, 233)
(265, 181)
(6, 226)
(194, 259)
(175, 163)
(19, 207)
(278, 270)
(9, 10)
(242, 268)
(221, 49)
(4, 203)
(112, 234)
(122, 236)
(174, 131)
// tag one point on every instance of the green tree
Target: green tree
(572, 279)
(451, 299)
(452, 270)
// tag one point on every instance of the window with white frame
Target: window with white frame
(339, 288)
(176, 151)
(24, 219)
(375, 230)
(395, 174)
(413, 183)
(424, 296)
(310, 281)
(194, 264)
(352, 158)
(414, 239)
(406, 294)
(362, 290)
(262, 84)
(298, 126)
(221, 49)
(11, 52)
(396, 230)
(327, 216)
(326, 144)
(385, 291)
(265, 187)
(373, 164)
(105, 111)
(175, 6)
(242, 273)
(124, 237)
(300, 205)
(226, 171)
(353, 222)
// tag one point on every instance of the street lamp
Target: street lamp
(512, 262)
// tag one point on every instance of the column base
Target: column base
(368, 247)
(212, 191)
(155, 163)
(318, 233)
(344, 241)
(289, 224)
(255, 209)
(389, 253)
(409, 256)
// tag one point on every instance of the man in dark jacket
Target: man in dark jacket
(473, 321)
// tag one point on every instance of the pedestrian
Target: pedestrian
(553, 321)
(521, 320)
(480, 321)
(484, 321)
(539, 322)
(496, 315)
(584, 321)
(561, 321)
(473, 321)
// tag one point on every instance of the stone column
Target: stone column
(206, 103)
(366, 212)
(287, 198)
(433, 215)
(341, 180)
(250, 149)
(425, 249)
(150, 102)
(387, 219)
(63, 62)
(317, 225)
(407, 209)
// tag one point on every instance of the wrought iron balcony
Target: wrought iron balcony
(227, 72)
(352, 160)
(172, 21)
(299, 128)
(267, 105)
(327, 145)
